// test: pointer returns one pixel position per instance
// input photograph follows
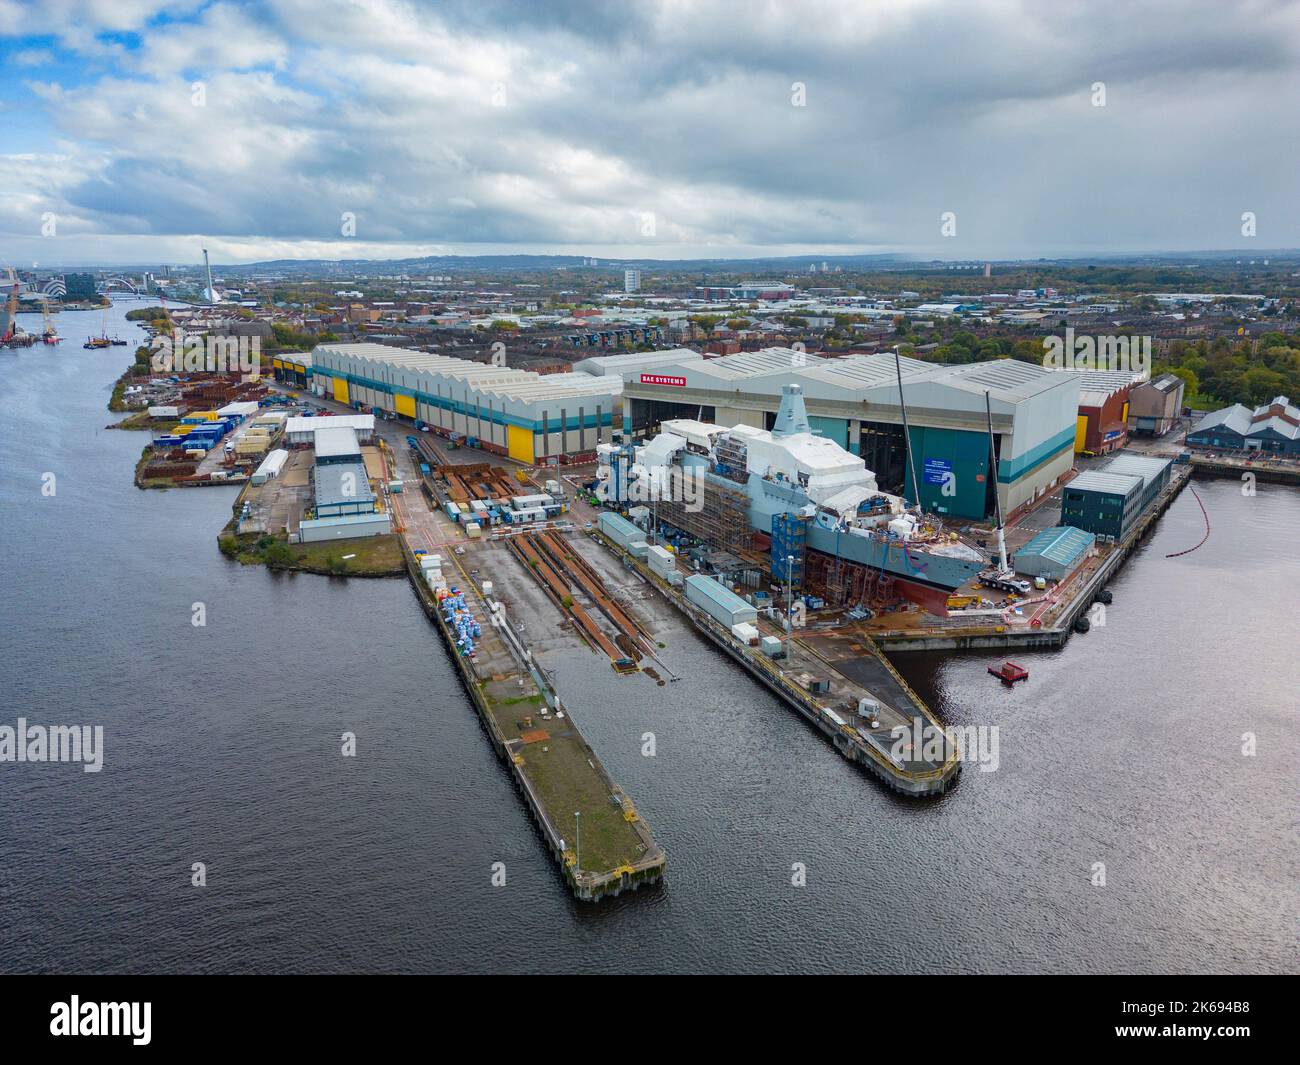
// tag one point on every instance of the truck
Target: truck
(1004, 582)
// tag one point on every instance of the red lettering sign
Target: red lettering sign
(660, 379)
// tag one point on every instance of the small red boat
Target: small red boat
(1010, 672)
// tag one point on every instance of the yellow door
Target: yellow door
(340, 390)
(405, 404)
(519, 443)
(1080, 432)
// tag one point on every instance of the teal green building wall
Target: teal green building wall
(967, 457)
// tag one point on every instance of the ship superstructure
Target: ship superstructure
(770, 479)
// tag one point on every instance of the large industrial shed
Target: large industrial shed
(535, 418)
(1054, 553)
(616, 365)
(855, 402)
(301, 430)
(1274, 427)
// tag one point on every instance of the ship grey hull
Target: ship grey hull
(910, 564)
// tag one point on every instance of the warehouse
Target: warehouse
(615, 365)
(1101, 424)
(341, 484)
(1274, 427)
(1054, 553)
(303, 430)
(534, 418)
(1109, 500)
(292, 368)
(855, 402)
(1154, 406)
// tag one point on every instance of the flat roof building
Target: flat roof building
(854, 401)
(1109, 500)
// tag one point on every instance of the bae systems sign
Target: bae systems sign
(660, 379)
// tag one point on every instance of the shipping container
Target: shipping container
(660, 560)
(620, 530)
(718, 602)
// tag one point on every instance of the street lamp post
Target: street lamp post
(789, 593)
(577, 847)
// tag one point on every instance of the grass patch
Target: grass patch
(536, 699)
(567, 783)
(375, 556)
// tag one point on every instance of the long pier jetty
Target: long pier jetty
(858, 700)
(599, 840)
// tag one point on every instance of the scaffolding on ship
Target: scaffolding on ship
(722, 521)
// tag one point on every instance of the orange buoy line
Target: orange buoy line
(1207, 527)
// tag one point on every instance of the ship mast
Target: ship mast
(993, 475)
(907, 434)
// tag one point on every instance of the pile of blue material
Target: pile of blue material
(458, 617)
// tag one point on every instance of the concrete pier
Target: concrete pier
(871, 743)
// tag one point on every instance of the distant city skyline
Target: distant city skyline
(139, 131)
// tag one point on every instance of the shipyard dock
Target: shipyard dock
(598, 838)
(1043, 620)
(848, 692)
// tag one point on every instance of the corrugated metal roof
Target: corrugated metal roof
(332, 488)
(1100, 481)
(1097, 386)
(617, 521)
(479, 376)
(719, 593)
(362, 423)
(1148, 467)
(757, 363)
(635, 360)
(1063, 544)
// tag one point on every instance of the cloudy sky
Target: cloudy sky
(134, 131)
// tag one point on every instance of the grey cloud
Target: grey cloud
(685, 111)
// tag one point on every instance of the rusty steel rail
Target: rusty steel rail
(553, 581)
(571, 563)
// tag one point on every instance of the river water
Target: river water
(222, 746)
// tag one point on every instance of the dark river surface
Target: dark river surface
(222, 746)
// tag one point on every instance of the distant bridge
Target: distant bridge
(116, 282)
